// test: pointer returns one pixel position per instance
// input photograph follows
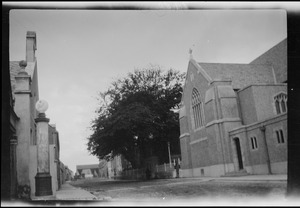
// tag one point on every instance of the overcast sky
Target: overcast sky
(80, 52)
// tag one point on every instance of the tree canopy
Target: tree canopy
(135, 119)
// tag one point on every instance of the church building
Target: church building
(233, 117)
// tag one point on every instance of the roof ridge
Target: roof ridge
(229, 63)
(244, 64)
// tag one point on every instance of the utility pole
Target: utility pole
(169, 155)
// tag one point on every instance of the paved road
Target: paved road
(187, 191)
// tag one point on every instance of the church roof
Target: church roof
(277, 57)
(241, 75)
(272, 55)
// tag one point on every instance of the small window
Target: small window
(280, 136)
(280, 103)
(277, 106)
(254, 143)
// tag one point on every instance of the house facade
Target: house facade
(24, 83)
(9, 120)
(93, 170)
(233, 117)
(23, 157)
(117, 165)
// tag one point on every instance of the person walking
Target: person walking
(177, 166)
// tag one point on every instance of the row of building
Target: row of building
(104, 169)
(120, 168)
(233, 120)
(20, 148)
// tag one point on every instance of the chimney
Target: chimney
(30, 46)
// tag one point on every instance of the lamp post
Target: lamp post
(43, 184)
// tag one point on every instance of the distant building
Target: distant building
(103, 169)
(233, 117)
(69, 174)
(54, 159)
(116, 165)
(93, 170)
(65, 174)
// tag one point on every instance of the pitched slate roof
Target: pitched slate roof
(277, 57)
(14, 69)
(241, 75)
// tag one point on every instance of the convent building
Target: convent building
(233, 117)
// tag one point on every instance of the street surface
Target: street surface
(186, 191)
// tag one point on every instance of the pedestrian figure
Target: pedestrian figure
(177, 166)
(148, 173)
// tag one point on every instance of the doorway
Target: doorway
(239, 153)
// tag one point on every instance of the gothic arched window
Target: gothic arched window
(280, 103)
(197, 109)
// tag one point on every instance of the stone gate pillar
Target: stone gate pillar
(43, 185)
(22, 109)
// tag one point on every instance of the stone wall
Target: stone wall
(53, 168)
(33, 168)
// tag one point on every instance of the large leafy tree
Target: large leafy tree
(135, 116)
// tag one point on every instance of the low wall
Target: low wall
(33, 168)
(53, 170)
(159, 171)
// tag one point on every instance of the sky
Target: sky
(80, 52)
